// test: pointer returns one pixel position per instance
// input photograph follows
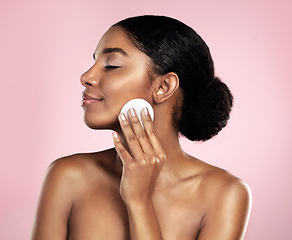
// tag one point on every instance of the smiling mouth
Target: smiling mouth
(86, 100)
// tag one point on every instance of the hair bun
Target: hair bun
(206, 112)
(205, 103)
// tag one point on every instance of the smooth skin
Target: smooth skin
(146, 187)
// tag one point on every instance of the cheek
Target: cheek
(118, 89)
(128, 82)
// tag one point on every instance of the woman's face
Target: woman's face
(119, 74)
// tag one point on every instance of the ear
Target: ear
(165, 87)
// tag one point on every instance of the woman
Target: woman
(147, 187)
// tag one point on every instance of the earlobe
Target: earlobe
(166, 87)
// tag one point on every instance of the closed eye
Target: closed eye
(108, 67)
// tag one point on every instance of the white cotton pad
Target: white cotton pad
(138, 104)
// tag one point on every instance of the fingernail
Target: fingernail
(132, 112)
(122, 117)
(115, 135)
(145, 111)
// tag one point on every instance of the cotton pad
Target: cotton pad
(138, 104)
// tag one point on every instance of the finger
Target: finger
(122, 152)
(152, 135)
(154, 160)
(131, 139)
(139, 131)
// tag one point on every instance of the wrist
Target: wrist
(140, 205)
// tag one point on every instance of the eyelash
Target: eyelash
(110, 67)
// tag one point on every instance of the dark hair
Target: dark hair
(175, 47)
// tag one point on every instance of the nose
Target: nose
(89, 79)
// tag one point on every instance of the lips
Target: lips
(87, 99)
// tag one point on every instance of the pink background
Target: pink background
(45, 47)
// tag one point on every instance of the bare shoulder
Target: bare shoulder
(81, 167)
(221, 183)
(71, 175)
(227, 200)
(66, 180)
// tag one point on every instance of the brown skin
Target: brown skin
(146, 187)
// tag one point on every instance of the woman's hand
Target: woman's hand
(141, 167)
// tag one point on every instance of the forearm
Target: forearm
(143, 222)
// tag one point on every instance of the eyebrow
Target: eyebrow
(112, 50)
